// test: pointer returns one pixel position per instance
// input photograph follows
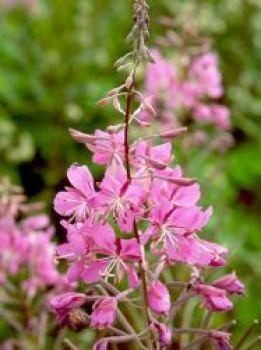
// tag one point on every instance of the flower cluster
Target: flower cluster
(191, 94)
(187, 88)
(25, 246)
(140, 220)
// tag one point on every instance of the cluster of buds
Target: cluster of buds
(127, 232)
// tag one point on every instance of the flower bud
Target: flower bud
(182, 181)
(103, 102)
(104, 313)
(171, 134)
(156, 164)
(164, 333)
(67, 301)
(113, 92)
(158, 298)
(230, 284)
(220, 340)
(214, 299)
(81, 137)
(129, 81)
(64, 304)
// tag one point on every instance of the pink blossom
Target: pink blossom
(174, 193)
(220, 116)
(158, 298)
(63, 304)
(77, 249)
(106, 146)
(220, 340)
(104, 313)
(161, 76)
(204, 72)
(101, 344)
(230, 283)
(214, 299)
(148, 156)
(74, 202)
(119, 197)
(119, 253)
(172, 230)
(164, 333)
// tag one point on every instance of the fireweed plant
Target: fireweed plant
(28, 273)
(140, 221)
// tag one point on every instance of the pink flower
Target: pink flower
(160, 77)
(204, 72)
(62, 304)
(104, 313)
(173, 233)
(221, 340)
(119, 197)
(77, 248)
(106, 146)
(118, 254)
(101, 344)
(13, 248)
(230, 284)
(74, 202)
(35, 223)
(214, 299)
(164, 333)
(216, 114)
(158, 298)
(220, 116)
(177, 194)
(148, 156)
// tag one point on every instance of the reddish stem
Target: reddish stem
(128, 169)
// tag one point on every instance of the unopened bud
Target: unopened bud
(103, 102)
(113, 92)
(171, 134)
(122, 60)
(143, 123)
(129, 81)
(182, 181)
(148, 106)
(116, 104)
(81, 137)
(156, 164)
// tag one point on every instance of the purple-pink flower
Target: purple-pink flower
(116, 257)
(104, 313)
(214, 299)
(158, 298)
(120, 198)
(62, 304)
(230, 283)
(164, 333)
(74, 202)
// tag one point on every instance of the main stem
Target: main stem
(129, 178)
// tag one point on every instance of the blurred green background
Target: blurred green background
(56, 61)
